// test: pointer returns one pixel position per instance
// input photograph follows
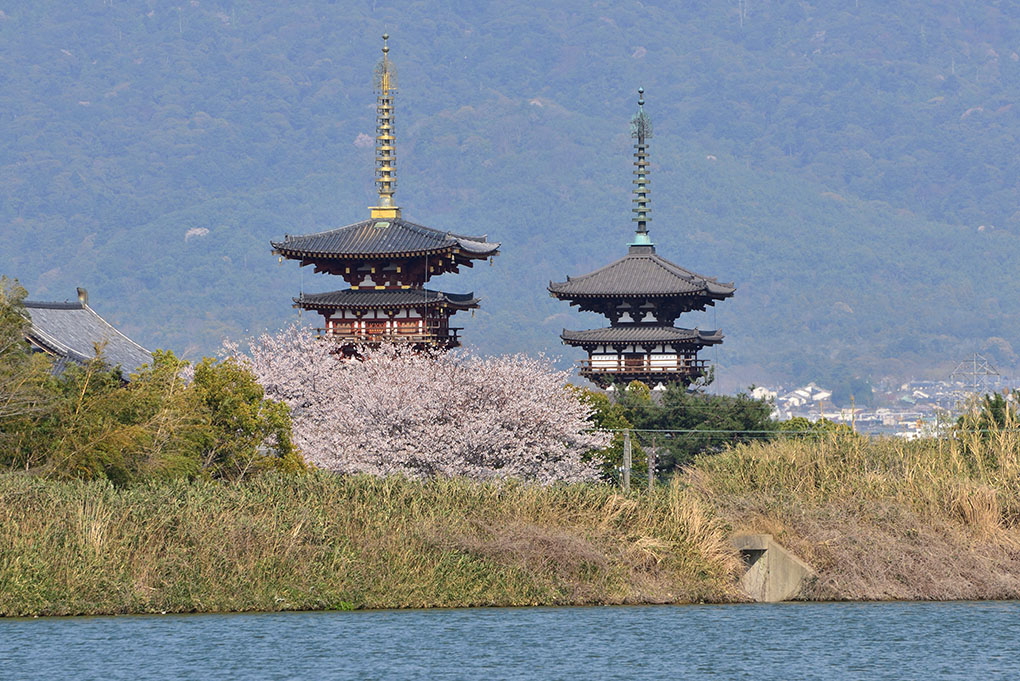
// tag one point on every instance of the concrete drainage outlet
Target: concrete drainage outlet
(773, 573)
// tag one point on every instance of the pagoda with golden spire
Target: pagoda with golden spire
(642, 294)
(386, 260)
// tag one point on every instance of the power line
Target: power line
(688, 430)
(772, 433)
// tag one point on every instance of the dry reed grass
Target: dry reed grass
(881, 518)
(329, 542)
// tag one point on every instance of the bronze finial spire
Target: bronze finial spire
(641, 131)
(385, 142)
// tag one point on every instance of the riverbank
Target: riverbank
(327, 542)
(877, 519)
(880, 519)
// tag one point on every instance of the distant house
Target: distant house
(72, 332)
(804, 396)
(762, 393)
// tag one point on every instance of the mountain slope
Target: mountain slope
(850, 167)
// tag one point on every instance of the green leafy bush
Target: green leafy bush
(171, 420)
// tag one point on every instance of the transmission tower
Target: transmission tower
(976, 374)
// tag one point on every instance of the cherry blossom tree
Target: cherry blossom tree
(394, 410)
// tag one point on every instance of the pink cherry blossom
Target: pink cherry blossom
(396, 411)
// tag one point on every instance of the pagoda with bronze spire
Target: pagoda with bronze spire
(386, 260)
(642, 294)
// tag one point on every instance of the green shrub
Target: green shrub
(88, 423)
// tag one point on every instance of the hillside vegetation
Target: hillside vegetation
(849, 165)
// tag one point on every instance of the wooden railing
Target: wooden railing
(643, 366)
(447, 336)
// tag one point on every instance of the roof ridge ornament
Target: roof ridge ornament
(385, 141)
(641, 131)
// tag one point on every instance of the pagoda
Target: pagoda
(642, 294)
(386, 260)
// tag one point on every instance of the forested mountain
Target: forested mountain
(850, 164)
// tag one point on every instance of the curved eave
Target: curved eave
(696, 338)
(292, 254)
(51, 346)
(477, 249)
(720, 291)
(640, 273)
(459, 252)
(469, 304)
(713, 291)
(378, 239)
(713, 338)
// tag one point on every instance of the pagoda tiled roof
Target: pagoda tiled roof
(641, 273)
(73, 331)
(383, 298)
(642, 334)
(382, 237)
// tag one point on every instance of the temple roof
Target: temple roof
(380, 238)
(641, 334)
(380, 298)
(641, 273)
(74, 330)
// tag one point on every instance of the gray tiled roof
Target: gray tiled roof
(641, 273)
(642, 334)
(379, 237)
(73, 330)
(374, 298)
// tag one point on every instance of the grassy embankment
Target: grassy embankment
(326, 542)
(878, 519)
(881, 519)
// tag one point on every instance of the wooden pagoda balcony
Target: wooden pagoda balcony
(604, 371)
(445, 338)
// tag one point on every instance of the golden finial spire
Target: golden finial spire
(641, 131)
(385, 142)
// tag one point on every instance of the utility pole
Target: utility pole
(626, 460)
(853, 413)
(651, 465)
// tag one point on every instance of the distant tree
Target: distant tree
(611, 417)
(993, 412)
(22, 373)
(13, 322)
(846, 384)
(239, 430)
(694, 422)
(396, 411)
(801, 428)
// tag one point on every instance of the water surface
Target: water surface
(827, 641)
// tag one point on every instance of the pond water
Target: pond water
(973, 640)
